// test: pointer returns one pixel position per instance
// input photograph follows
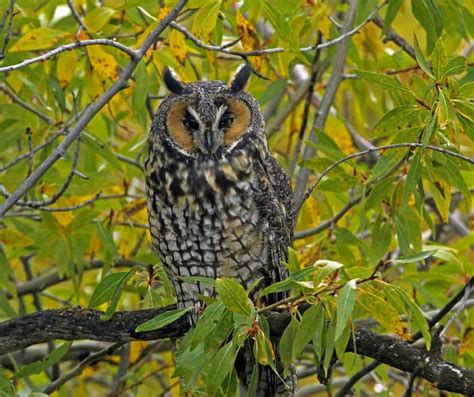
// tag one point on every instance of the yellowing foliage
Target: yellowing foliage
(104, 64)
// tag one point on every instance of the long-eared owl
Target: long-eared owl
(219, 203)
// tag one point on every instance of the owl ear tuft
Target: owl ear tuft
(172, 81)
(240, 78)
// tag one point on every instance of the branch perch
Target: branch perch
(77, 324)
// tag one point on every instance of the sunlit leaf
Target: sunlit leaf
(162, 320)
(38, 39)
(234, 296)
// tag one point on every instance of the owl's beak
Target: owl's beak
(208, 142)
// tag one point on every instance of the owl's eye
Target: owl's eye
(190, 122)
(226, 121)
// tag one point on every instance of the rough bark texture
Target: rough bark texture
(78, 324)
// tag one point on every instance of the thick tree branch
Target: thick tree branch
(77, 324)
(87, 116)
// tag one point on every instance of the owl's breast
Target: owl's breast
(206, 219)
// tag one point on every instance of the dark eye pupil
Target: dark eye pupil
(226, 121)
(190, 123)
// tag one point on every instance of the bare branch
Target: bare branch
(120, 84)
(69, 47)
(16, 99)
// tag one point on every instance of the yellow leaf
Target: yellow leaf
(321, 18)
(249, 38)
(309, 217)
(66, 67)
(38, 39)
(383, 313)
(14, 239)
(178, 45)
(103, 63)
(164, 11)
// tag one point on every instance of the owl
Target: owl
(219, 203)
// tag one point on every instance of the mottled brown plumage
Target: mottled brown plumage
(219, 204)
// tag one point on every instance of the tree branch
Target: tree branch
(68, 47)
(16, 99)
(87, 116)
(77, 324)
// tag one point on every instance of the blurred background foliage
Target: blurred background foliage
(410, 200)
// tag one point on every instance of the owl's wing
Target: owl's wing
(276, 206)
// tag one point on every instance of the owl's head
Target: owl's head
(208, 118)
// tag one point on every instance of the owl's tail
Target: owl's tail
(269, 384)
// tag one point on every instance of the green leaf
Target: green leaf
(419, 256)
(162, 320)
(252, 390)
(96, 19)
(5, 306)
(39, 366)
(445, 110)
(382, 80)
(466, 90)
(439, 59)
(408, 227)
(140, 91)
(101, 149)
(234, 296)
(286, 345)
(38, 39)
(416, 315)
(110, 289)
(392, 10)
(306, 331)
(397, 119)
(381, 237)
(214, 320)
(300, 275)
(198, 279)
(205, 19)
(413, 177)
(278, 21)
(106, 238)
(274, 90)
(221, 365)
(421, 59)
(345, 306)
(427, 13)
(455, 65)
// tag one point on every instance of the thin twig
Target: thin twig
(307, 105)
(8, 14)
(87, 116)
(379, 148)
(16, 99)
(60, 192)
(76, 15)
(391, 35)
(68, 47)
(459, 309)
(77, 370)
